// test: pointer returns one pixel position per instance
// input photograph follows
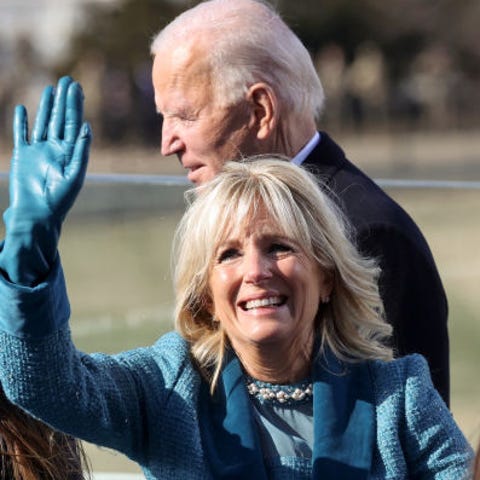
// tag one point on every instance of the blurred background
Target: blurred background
(402, 80)
(397, 65)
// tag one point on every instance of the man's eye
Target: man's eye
(186, 117)
(227, 255)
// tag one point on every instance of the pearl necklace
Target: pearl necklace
(281, 394)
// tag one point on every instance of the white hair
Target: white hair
(247, 42)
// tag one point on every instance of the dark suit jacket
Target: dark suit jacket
(410, 286)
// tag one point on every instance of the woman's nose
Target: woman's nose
(257, 267)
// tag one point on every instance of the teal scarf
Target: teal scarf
(344, 423)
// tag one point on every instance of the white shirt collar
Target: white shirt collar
(300, 157)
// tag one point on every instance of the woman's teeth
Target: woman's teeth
(262, 302)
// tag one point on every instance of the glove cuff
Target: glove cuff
(34, 311)
(29, 251)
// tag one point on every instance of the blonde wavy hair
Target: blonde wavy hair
(351, 325)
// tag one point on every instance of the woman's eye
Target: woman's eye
(280, 248)
(228, 254)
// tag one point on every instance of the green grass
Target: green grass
(119, 281)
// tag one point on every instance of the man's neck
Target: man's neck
(293, 136)
(300, 157)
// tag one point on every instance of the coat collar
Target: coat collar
(344, 423)
(326, 159)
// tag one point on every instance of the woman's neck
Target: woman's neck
(270, 363)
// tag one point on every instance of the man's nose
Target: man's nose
(171, 142)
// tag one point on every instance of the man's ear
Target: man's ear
(264, 110)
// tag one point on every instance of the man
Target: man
(231, 80)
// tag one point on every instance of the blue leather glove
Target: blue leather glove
(46, 175)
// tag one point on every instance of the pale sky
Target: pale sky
(49, 23)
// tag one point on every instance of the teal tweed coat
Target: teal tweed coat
(372, 420)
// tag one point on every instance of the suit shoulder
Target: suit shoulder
(172, 349)
(168, 358)
(395, 377)
(362, 199)
(403, 367)
(172, 340)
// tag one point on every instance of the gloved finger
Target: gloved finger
(43, 115)
(74, 112)
(20, 126)
(56, 126)
(76, 169)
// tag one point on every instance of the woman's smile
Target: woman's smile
(261, 303)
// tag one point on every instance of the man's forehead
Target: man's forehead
(181, 63)
(179, 71)
(180, 56)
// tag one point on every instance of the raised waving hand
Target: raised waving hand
(46, 174)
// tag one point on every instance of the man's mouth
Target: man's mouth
(194, 172)
(263, 302)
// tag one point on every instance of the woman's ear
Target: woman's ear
(264, 110)
(208, 306)
(327, 287)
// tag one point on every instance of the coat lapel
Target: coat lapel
(325, 160)
(229, 434)
(344, 419)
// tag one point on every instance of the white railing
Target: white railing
(181, 180)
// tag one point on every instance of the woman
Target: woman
(279, 369)
(30, 450)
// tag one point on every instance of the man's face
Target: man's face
(196, 127)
